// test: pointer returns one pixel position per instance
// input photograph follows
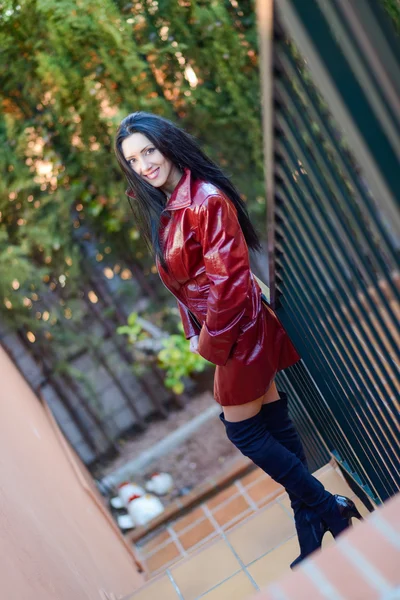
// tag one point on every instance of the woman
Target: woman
(194, 221)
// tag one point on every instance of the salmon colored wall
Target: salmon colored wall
(57, 541)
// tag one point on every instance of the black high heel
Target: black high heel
(310, 543)
(347, 510)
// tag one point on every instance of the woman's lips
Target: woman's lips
(154, 174)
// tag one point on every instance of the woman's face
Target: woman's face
(148, 162)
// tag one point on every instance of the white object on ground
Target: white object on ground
(126, 490)
(144, 509)
(117, 502)
(125, 522)
(160, 483)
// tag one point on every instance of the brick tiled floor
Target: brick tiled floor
(230, 510)
(363, 564)
(222, 513)
(194, 535)
(231, 545)
(164, 556)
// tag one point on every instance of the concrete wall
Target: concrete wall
(57, 539)
(108, 402)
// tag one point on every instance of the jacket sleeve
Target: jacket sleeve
(226, 260)
(189, 326)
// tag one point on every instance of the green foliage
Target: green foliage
(133, 330)
(175, 357)
(217, 43)
(392, 7)
(178, 361)
(71, 70)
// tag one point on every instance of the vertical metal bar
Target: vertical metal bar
(354, 370)
(325, 176)
(328, 407)
(323, 248)
(376, 472)
(265, 19)
(297, 23)
(320, 409)
(321, 244)
(336, 254)
(294, 79)
(357, 426)
(314, 183)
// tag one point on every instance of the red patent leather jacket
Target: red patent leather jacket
(209, 274)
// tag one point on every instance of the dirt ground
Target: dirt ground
(190, 463)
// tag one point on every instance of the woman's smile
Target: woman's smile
(153, 174)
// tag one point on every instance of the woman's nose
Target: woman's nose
(145, 166)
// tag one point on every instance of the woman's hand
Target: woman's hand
(194, 342)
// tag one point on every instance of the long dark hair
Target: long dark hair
(183, 151)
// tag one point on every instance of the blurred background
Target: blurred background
(299, 104)
(73, 266)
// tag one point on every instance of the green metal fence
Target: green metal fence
(334, 228)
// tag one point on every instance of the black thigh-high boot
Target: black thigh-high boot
(309, 526)
(253, 439)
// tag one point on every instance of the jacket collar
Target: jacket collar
(180, 197)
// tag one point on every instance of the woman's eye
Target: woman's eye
(131, 161)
